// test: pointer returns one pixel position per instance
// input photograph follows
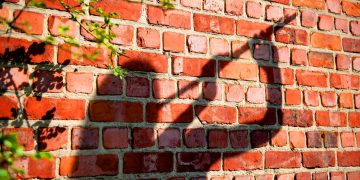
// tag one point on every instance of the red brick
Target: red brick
(79, 82)
(348, 158)
(351, 8)
(355, 28)
(47, 81)
(290, 16)
(257, 115)
(308, 18)
(216, 114)
(278, 138)
(174, 41)
(262, 52)
(123, 34)
(330, 139)
(313, 159)
(149, 38)
(259, 138)
(311, 78)
(273, 95)
(35, 168)
(169, 113)
(334, 6)
(240, 49)
(344, 81)
(343, 62)
(292, 97)
(353, 175)
(254, 9)
(143, 137)
(52, 138)
(55, 108)
(314, 139)
(217, 138)
(214, 5)
(356, 63)
(264, 177)
(197, 161)
(282, 159)
(125, 9)
(341, 24)
(315, 4)
(358, 139)
(276, 75)
(320, 176)
(108, 84)
(285, 176)
(274, 13)
(137, 87)
(89, 165)
(188, 89)
(8, 107)
(55, 22)
(14, 78)
(244, 177)
(346, 100)
(144, 61)
(169, 138)
(299, 57)
(253, 29)
(212, 91)
(192, 3)
(255, 95)
(186, 66)
(24, 136)
(239, 138)
(234, 7)
(234, 93)
(213, 24)
(311, 98)
(197, 44)
(292, 117)
(347, 139)
(297, 139)
(291, 36)
(70, 55)
(169, 17)
(325, 41)
(328, 99)
(317, 59)
(85, 138)
(303, 176)
(29, 22)
(337, 175)
(160, 92)
(115, 138)
(230, 70)
(351, 45)
(354, 119)
(326, 23)
(242, 161)
(115, 111)
(281, 54)
(56, 4)
(281, 1)
(11, 46)
(219, 47)
(194, 137)
(331, 118)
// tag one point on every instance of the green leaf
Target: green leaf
(4, 174)
(8, 143)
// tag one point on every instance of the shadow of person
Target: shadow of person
(198, 128)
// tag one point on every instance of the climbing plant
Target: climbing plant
(100, 33)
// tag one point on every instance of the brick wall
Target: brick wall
(217, 89)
